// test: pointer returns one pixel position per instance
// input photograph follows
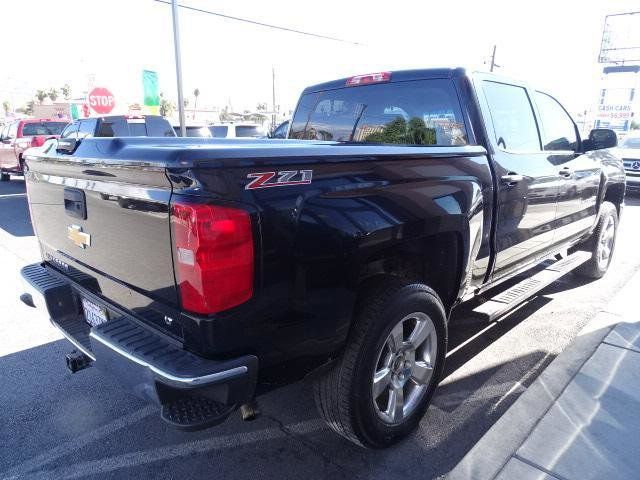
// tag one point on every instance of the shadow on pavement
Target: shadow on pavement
(14, 210)
(58, 425)
(288, 440)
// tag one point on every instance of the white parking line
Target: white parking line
(77, 442)
(142, 457)
(9, 195)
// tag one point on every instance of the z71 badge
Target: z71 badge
(279, 179)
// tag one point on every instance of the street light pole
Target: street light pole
(176, 44)
(493, 59)
(273, 98)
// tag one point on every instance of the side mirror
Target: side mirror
(600, 138)
(67, 145)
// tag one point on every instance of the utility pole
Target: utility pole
(273, 98)
(176, 44)
(493, 60)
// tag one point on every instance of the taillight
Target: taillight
(368, 78)
(213, 256)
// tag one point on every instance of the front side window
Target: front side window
(420, 112)
(87, 128)
(512, 117)
(558, 130)
(70, 131)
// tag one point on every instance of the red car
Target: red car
(16, 137)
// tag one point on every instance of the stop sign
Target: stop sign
(101, 100)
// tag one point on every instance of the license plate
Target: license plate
(93, 314)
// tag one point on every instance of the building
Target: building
(619, 100)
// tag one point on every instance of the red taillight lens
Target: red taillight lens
(213, 256)
(368, 78)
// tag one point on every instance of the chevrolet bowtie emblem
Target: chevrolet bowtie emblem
(77, 236)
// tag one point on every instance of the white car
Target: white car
(629, 151)
(237, 130)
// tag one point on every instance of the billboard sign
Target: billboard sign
(620, 38)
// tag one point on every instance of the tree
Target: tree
(185, 102)
(41, 95)
(66, 91)
(166, 106)
(27, 109)
(196, 94)
(262, 107)
(6, 106)
(53, 94)
(634, 125)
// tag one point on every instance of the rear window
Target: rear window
(219, 131)
(135, 127)
(43, 128)
(248, 131)
(194, 131)
(422, 112)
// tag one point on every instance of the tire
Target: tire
(345, 395)
(4, 177)
(601, 243)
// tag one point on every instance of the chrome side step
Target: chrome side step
(514, 296)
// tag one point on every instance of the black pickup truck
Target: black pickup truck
(203, 273)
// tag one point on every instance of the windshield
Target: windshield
(631, 142)
(423, 112)
(248, 131)
(43, 128)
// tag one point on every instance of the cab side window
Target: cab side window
(558, 130)
(512, 117)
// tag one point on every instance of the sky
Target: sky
(553, 45)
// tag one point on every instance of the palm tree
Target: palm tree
(196, 93)
(66, 91)
(53, 94)
(6, 106)
(41, 95)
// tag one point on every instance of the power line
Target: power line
(261, 24)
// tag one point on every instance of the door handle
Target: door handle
(511, 178)
(566, 172)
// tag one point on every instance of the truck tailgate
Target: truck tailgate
(108, 223)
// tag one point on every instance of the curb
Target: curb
(492, 452)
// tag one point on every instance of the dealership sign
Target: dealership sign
(615, 111)
(101, 100)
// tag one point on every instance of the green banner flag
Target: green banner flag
(151, 95)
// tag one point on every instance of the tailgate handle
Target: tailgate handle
(75, 203)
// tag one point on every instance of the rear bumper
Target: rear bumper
(149, 363)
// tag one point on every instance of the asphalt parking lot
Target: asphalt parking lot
(57, 425)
